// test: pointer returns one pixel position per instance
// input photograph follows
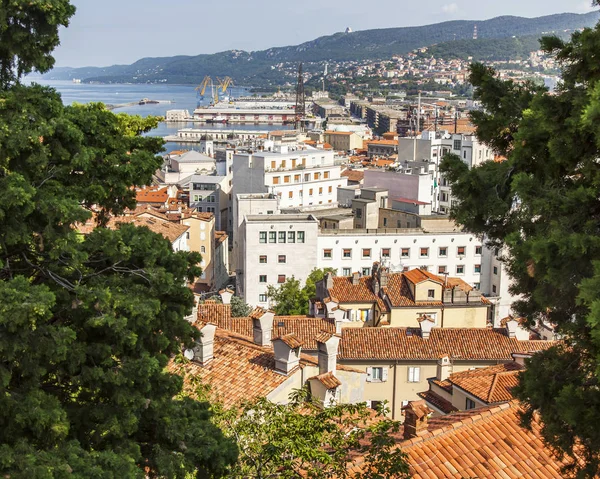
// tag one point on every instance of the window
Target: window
(377, 374)
(281, 278)
(346, 272)
(347, 253)
(424, 267)
(326, 175)
(282, 237)
(273, 164)
(495, 269)
(291, 236)
(366, 271)
(414, 375)
(375, 405)
(494, 290)
(281, 258)
(424, 253)
(262, 278)
(320, 190)
(477, 286)
(286, 179)
(470, 404)
(310, 192)
(307, 177)
(405, 253)
(317, 176)
(460, 269)
(330, 189)
(291, 194)
(460, 251)
(296, 178)
(276, 180)
(366, 253)
(283, 163)
(478, 268)
(300, 237)
(457, 144)
(187, 235)
(262, 237)
(262, 298)
(443, 252)
(385, 252)
(478, 250)
(272, 237)
(327, 254)
(202, 249)
(431, 293)
(442, 270)
(358, 213)
(262, 259)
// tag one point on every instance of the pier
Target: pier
(143, 101)
(196, 135)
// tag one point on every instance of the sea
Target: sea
(182, 97)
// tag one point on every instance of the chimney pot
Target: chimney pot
(203, 351)
(443, 368)
(355, 278)
(262, 326)
(327, 349)
(416, 414)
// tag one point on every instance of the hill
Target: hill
(264, 67)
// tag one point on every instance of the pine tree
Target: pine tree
(543, 206)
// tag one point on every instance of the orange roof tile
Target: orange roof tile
(328, 380)
(171, 231)
(383, 142)
(152, 195)
(290, 340)
(490, 385)
(353, 175)
(438, 402)
(407, 343)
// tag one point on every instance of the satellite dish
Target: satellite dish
(189, 354)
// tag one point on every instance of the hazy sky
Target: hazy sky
(107, 32)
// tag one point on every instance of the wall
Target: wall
(398, 219)
(414, 187)
(202, 234)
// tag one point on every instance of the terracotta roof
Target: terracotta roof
(487, 443)
(328, 380)
(490, 385)
(169, 230)
(148, 210)
(438, 402)
(383, 142)
(417, 276)
(152, 195)
(353, 175)
(408, 200)
(445, 384)
(216, 313)
(258, 313)
(407, 343)
(383, 162)
(289, 339)
(220, 237)
(240, 370)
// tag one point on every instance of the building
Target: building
(383, 148)
(271, 249)
(238, 368)
(210, 194)
(415, 298)
(177, 234)
(299, 176)
(343, 140)
(399, 361)
(179, 167)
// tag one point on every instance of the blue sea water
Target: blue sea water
(183, 97)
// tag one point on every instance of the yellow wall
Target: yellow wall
(356, 307)
(422, 289)
(464, 316)
(202, 233)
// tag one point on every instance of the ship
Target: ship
(217, 119)
(146, 101)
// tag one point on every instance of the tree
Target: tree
(290, 299)
(88, 323)
(239, 308)
(303, 439)
(542, 205)
(28, 35)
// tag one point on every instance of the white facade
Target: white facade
(458, 254)
(299, 177)
(273, 249)
(181, 244)
(495, 283)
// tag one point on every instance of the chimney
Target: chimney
(327, 349)
(443, 368)
(193, 317)
(226, 295)
(339, 318)
(426, 324)
(202, 352)
(375, 278)
(384, 273)
(329, 280)
(355, 279)
(511, 326)
(415, 418)
(287, 353)
(262, 326)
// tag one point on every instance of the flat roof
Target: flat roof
(281, 218)
(408, 200)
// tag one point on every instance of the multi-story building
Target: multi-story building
(271, 249)
(210, 194)
(301, 177)
(343, 140)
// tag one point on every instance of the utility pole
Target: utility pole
(300, 99)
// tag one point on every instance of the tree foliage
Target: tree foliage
(28, 35)
(290, 298)
(87, 324)
(303, 439)
(543, 206)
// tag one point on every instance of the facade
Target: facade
(179, 167)
(244, 115)
(416, 183)
(271, 249)
(343, 140)
(210, 194)
(300, 177)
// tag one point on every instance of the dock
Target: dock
(143, 101)
(196, 135)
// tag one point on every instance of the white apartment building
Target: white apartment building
(274, 248)
(300, 176)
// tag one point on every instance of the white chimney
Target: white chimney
(327, 349)
(426, 324)
(262, 326)
(443, 368)
(226, 295)
(203, 350)
(339, 318)
(287, 353)
(511, 326)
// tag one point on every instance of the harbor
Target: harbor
(197, 135)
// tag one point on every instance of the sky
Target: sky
(109, 32)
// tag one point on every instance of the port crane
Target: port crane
(201, 89)
(225, 84)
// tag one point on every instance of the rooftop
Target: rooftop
(490, 385)
(171, 231)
